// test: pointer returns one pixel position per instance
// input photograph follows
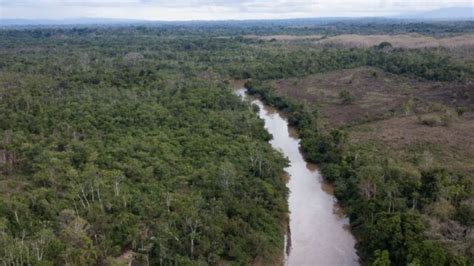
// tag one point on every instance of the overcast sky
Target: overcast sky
(215, 9)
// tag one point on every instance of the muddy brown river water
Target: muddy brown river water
(319, 233)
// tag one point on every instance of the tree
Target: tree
(382, 258)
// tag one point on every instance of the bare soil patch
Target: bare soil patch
(451, 146)
(284, 37)
(375, 95)
(388, 110)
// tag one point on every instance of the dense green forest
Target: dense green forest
(118, 139)
(105, 150)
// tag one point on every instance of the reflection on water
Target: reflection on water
(319, 230)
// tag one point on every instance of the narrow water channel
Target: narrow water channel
(319, 233)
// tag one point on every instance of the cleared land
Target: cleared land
(284, 37)
(409, 117)
(402, 41)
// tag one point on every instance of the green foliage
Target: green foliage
(384, 200)
(431, 120)
(382, 258)
(118, 139)
(384, 45)
(108, 147)
(425, 63)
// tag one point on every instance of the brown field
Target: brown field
(401, 41)
(375, 94)
(395, 113)
(284, 37)
(451, 146)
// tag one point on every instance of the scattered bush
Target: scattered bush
(431, 120)
(384, 45)
(461, 110)
(346, 97)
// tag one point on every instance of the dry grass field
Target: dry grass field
(400, 41)
(410, 41)
(284, 37)
(409, 117)
(375, 95)
(451, 146)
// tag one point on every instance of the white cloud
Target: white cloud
(214, 9)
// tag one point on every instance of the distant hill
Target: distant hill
(452, 13)
(455, 13)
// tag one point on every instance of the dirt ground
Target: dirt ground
(394, 112)
(375, 95)
(410, 41)
(402, 41)
(284, 37)
(451, 146)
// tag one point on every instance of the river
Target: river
(319, 233)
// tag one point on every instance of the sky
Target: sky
(216, 9)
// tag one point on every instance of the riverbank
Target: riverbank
(319, 233)
(382, 198)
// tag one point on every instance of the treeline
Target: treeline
(423, 63)
(321, 26)
(384, 198)
(428, 64)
